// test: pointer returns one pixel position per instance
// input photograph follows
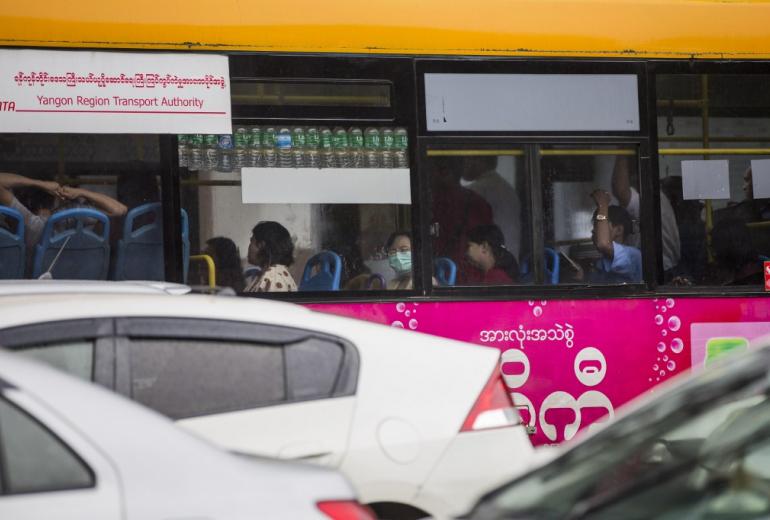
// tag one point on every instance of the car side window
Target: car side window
(192, 377)
(312, 368)
(33, 459)
(73, 357)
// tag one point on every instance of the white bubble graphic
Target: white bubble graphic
(664, 309)
(662, 373)
(531, 302)
(674, 323)
(670, 303)
(649, 379)
(655, 367)
(412, 324)
(543, 302)
(671, 365)
(400, 306)
(537, 311)
(397, 324)
(657, 379)
(664, 332)
(658, 319)
(677, 345)
(661, 347)
(407, 314)
(665, 358)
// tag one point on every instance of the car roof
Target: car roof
(14, 287)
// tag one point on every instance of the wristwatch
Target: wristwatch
(599, 216)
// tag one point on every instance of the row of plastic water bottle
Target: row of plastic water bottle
(296, 147)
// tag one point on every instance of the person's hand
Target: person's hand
(51, 187)
(601, 198)
(68, 192)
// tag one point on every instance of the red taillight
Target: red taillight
(345, 510)
(494, 407)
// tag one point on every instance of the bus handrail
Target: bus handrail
(211, 268)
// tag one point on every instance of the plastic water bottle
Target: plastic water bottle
(299, 142)
(327, 151)
(356, 139)
(255, 147)
(183, 150)
(241, 145)
(372, 147)
(225, 153)
(401, 146)
(268, 147)
(386, 154)
(341, 147)
(283, 143)
(195, 160)
(210, 152)
(312, 140)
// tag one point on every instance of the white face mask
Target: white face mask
(401, 262)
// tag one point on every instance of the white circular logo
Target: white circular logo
(590, 366)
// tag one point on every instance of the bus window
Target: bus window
(714, 148)
(591, 210)
(280, 243)
(479, 216)
(71, 204)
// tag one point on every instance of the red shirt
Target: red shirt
(494, 276)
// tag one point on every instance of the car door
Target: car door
(47, 469)
(84, 348)
(253, 388)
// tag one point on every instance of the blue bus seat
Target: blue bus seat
(322, 272)
(445, 271)
(140, 250)
(13, 251)
(85, 250)
(375, 281)
(552, 263)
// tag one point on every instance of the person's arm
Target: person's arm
(107, 204)
(602, 230)
(621, 181)
(9, 181)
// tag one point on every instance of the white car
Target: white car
(72, 451)
(420, 425)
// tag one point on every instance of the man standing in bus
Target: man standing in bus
(628, 198)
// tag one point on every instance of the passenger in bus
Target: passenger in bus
(272, 250)
(399, 248)
(619, 262)
(479, 173)
(456, 210)
(227, 260)
(43, 198)
(737, 260)
(692, 233)
(488, 253)
(628, 198)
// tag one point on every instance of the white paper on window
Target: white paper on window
(705, 180)
(760, 178)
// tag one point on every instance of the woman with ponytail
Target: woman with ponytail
(486, 251)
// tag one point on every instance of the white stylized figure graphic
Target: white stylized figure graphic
(515, 356)
(590, 366)
(558, 400)
(594, 399)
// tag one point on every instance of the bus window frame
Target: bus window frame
(671, 68)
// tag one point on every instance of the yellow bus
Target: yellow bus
(584, 185)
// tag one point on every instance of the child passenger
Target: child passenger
(487, 252)
(612, 225)
(272, 250)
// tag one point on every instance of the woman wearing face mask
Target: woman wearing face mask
(486, 251)
(399, 247)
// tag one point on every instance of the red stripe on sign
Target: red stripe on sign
(121, 112)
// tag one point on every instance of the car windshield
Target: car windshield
(701, 450)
